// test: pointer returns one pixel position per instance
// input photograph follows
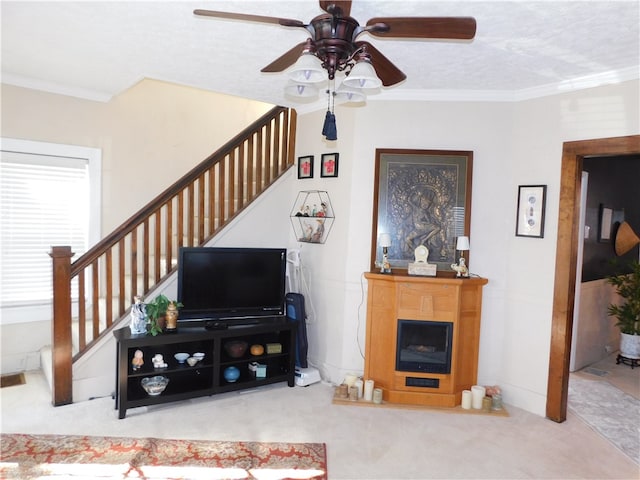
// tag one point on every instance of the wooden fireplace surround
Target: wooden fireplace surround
(394, 297)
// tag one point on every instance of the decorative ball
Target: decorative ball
(257, 350)
(231, 374)
(236, 348)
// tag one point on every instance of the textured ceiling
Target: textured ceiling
(522, 49)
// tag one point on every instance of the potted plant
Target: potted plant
(157, 311)
(628, 311)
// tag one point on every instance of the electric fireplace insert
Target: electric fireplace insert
(424, 346)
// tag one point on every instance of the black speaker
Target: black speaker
(296, 313)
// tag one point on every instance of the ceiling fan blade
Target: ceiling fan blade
(286, 60)
(386, 71)
(286, 22)
(462, 28)
(343, 5)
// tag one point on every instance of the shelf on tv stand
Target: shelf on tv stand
(206, 377)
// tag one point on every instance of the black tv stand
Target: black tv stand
(207, 376)
(215, 325)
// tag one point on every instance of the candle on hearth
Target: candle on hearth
(377, 395)
(477, 394)
(350, 379)
(368, 390)
(466, 399)
(359, 384)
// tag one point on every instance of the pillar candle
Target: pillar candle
(466, 399)
(350, 379)
(377, 395)
(368, 390)
(477, 394)
(359, 384)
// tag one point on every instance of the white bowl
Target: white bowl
(192, 361)
(198, 356)
(154, 385)
(181, 357)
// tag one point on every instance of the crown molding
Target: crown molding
(51, 87)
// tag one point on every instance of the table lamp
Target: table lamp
(462, 245)
(385, 242)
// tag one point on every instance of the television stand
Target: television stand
(207, 377)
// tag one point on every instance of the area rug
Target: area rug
(85, 457)
(609, 411)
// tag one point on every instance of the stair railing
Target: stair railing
(97, 289)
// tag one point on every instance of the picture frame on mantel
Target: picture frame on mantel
(421, 197)
(305, 166)
(531, 207)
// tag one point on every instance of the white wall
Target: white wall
(513, 144)
(149, 136)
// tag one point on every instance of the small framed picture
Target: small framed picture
(530, 215)
(305, 167)
(606, 222)
(329, 167)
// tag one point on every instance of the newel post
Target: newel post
(61, 347)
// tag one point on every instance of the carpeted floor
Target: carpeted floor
(81, 457)
(609, 411)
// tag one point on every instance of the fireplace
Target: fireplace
(424, 346)
(423, 336)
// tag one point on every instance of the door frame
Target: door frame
(564, 291)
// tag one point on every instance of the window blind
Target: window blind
(44, 202)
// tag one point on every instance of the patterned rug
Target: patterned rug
(84, 457)
(609, 411)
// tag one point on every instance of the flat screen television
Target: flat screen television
(231, 285)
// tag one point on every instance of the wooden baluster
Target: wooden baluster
(201, 216)
(109, 287)
(145, 255)
(133, 245)
(157, 247)
(169, 235)
(82, 312)
(121, 277)
(231, 194)
(95, 295)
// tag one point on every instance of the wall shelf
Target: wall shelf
(312, 216)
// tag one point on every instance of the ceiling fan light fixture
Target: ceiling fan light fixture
(362, 75)
(301, 90)
(307, 69)
(346, 94)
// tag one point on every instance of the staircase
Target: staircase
(93, 294)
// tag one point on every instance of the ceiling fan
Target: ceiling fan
(334, 46)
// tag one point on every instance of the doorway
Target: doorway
(573, 154)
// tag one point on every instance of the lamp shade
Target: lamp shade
(301, 90)
(345, 94)
(307, 69)
(462, 243)
(362, 75)
(384, 240)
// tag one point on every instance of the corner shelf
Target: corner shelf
(312, 216)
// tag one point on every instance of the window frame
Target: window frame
(43, 311)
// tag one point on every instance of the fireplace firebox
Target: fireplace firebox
(424, 346)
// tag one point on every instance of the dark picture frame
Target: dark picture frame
(305, 166)
(421, 197)
(530, 211)
(329, 165)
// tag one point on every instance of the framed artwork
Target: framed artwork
(421, 198)
(530, 212)
(305, 167)
(329, 165)
(605, 224)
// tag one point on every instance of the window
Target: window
(49, 195)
